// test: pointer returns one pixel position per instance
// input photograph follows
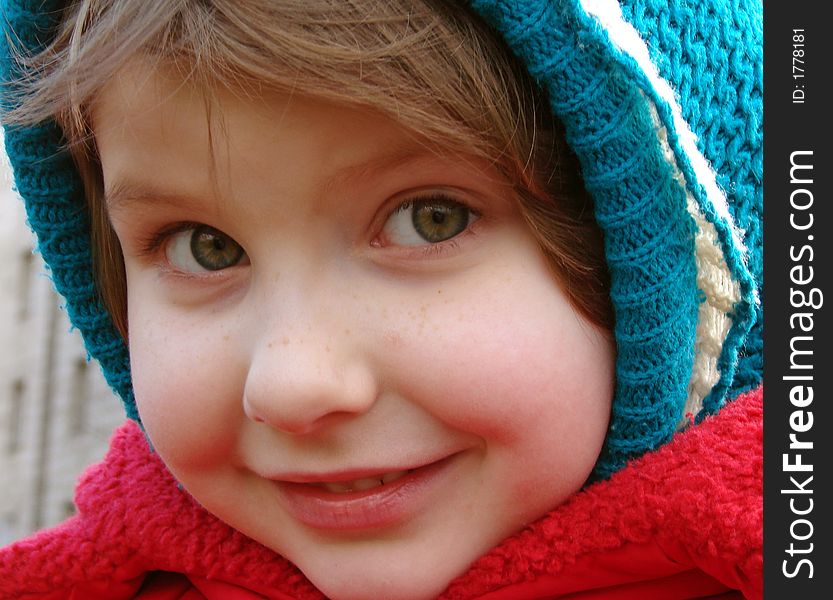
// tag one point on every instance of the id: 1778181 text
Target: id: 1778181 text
(798, 66)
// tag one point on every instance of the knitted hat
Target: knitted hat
(662, 103)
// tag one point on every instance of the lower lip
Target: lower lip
(382, 506)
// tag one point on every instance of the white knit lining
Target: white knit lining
(721, 292)
(714, 321)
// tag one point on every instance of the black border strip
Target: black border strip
(798, 228)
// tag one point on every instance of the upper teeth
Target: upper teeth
(358, 485)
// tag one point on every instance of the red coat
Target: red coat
(685, 521)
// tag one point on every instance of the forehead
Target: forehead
(159, 136)
(152, 102)
(145, 116)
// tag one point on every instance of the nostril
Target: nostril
(250, 411)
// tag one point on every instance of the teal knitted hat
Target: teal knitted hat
(662, 104)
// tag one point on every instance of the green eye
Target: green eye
(439, 221)
(214, 250)
(430, 221)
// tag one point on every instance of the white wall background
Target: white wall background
(56, 411)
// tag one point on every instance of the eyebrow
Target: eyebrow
(126, 193)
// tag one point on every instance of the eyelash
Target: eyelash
(151, 245)
(431, 250)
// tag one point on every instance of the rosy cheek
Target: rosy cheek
(497, 364)
(187, 403)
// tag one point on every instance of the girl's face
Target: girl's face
(344, 344)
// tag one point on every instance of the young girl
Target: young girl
(354, 268)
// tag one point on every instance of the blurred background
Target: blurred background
(56, 411)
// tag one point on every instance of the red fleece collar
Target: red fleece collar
(683, 521)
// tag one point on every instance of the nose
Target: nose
(303, 383)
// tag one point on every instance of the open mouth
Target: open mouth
(372, 501)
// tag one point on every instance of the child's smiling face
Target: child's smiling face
(296, 340)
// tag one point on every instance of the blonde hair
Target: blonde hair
(431, 65)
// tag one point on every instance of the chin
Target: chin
(388, 576)
(413, 587)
